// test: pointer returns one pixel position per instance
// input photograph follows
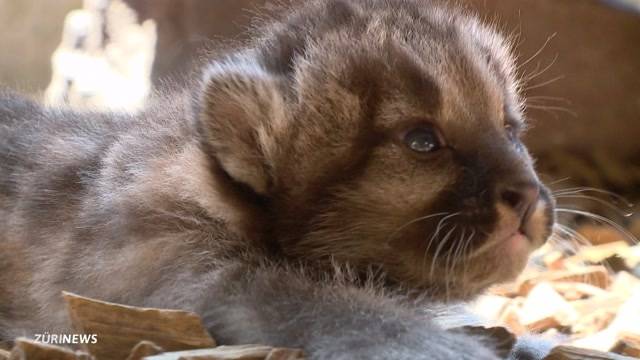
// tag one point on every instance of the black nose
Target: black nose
(522, 198)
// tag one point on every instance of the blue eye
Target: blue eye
(511, 132)
(423, 139)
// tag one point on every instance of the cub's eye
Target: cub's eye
(423, 139)
(511, 131)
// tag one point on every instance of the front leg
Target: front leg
(329, 320)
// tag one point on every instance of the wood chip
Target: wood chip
(242, 352)
(591, 323)
(510, 289)
(544, 324)
(616, 263)
(598, 253)
(285, 354)
(625, 284)
(144, 349)
(627, 320)
(575, 291)
(554, 260)
(598, 235)
(544, 308)
(25, 349)
(608, 302)
(4, 354)
(631, 256)
(574, 353)
(628, 344)
(511, 319)
(490, 306)
(584, 300)
(119, 328)
(593, 275)
(634, 227)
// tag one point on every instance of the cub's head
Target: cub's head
(382, 134)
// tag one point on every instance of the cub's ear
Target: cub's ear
(242, 112)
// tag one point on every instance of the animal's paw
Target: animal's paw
(433, 344)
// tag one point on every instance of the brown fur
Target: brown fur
(290, 153)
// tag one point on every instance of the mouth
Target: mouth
(519, 235)
(517, 243)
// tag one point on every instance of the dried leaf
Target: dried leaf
(242, 352)
(25, 349)
(119, 328)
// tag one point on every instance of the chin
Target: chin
(504, 258)
(501, 257)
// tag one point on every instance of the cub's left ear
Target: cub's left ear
(242, 112)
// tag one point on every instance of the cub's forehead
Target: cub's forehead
(420, 52)
(469, 64)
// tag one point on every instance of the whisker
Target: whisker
(544, 83)
(572, 234)
(447, 274)
(456, 256)
(452, 255)
(532, 57)
(617, 197)
(395, 232)
(467, 246)
(549, 98)
(439, 248)
(602, 219)
(440, 224)
(564, 244)
(536, 72)
(558, 181)
(575, 250)
(463, 259)
(607, 204)
(550, 109)
(567, 241)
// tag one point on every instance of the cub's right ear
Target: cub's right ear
(242, 114)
